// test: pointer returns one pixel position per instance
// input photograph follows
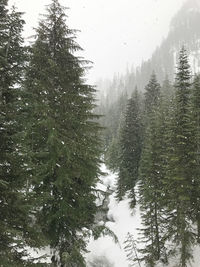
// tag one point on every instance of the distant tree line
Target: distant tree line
(49, 142)
(158, 149)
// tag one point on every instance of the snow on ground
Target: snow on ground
(123, 223)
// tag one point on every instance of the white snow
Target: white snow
(123, 224)
(42, 255)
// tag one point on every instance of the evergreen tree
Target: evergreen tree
(151, 188)
(112, 154)
(132, 250)
(15, 228)
(130, 145)
(178, 177)
(152, 94)
(62, 138)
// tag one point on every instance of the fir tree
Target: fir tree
(152, 94)
(112, 154)
(151, 188)
(62, 137)
(15, 232)
(178, 177)
(130, 146)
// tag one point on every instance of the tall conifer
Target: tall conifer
(179, 172)
(14, 206)
(151, 188)
(130, 146)
(152, 94)
(62, 137)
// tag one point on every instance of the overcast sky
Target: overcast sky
(114, 33)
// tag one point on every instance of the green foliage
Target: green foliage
(112, 155)
(62, 138)
(168, 169)
(151, 188)
(178, 178)
(102, 230)
(130, 146)
(152, 94)
(15, 217)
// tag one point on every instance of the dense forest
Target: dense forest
(54, 139)
(157, 149)
(184, 30)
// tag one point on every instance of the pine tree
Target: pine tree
(152, 94)
(151, 188)
(15, 231)
(62, 137)
(178, 177)
(130, 146)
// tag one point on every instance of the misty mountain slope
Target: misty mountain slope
(184, 30)
(123, 223)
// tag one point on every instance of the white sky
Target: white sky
(114, 33)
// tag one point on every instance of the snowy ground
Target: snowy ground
(123, 224)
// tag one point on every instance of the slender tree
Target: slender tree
(179, 176)
(130, 146)
(151, 189)
(152, 94)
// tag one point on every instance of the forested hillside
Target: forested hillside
(153, 146)
(157, 154)
(184, 30)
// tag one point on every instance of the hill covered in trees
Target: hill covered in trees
(184, 30)
(156, 157)
(152, 142)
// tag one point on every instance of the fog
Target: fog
(114, 34)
